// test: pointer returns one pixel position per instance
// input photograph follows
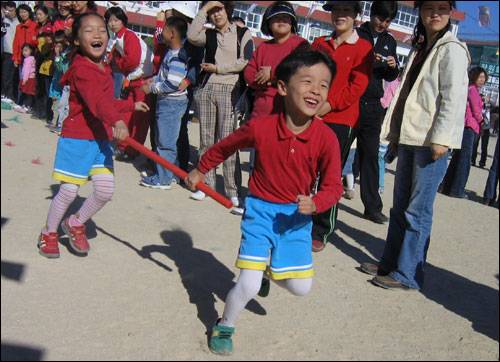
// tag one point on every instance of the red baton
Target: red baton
(178, 172)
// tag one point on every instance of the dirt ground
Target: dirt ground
(161, 265)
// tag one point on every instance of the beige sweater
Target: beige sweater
(229, 64)
(434, 110)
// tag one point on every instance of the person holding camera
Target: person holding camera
(371, 112)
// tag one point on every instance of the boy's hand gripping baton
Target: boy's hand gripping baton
(178, 172)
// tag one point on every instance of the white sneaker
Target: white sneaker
(8, 100)
(17, 107)
(199, 195)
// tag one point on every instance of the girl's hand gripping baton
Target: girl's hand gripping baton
(178, 172)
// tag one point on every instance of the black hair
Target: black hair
(91, 6)
(29, 46)
(10, 4)
(420, 32)
(59, 34)
(46, 11)
(118, 12)
(384, 9)
(179, 24)
(289, 66)
(474, 73)
(24, 7)
(58, 15)
(228, 6)
(285, 5)
(77, 24)
(185, 17)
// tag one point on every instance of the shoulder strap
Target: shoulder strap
(240, 33)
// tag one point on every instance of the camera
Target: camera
(390, 155)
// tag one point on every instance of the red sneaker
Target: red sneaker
(48, 245)
(317, 245)
(77, 238)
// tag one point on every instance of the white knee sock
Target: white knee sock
(247, 287)
(349, 179)
(299, 287)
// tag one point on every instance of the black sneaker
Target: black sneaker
(376, 217)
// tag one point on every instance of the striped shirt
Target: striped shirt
(173, 70)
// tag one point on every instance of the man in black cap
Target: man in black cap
(371, 112)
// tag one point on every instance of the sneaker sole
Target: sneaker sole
(161, 187)
(199, 199)
(50, 256)
(220, 353)
(75, 249)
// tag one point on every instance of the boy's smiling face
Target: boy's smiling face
(306, 91)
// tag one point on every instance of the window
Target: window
(301, 24)
(407, 16)
(142, 30)
(252, 19)
(365, 8)
(317, 29)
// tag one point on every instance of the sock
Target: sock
(104, 185)
(65, 196)
(246, 288)
(349, 178)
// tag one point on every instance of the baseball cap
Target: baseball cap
(281, 8)
(329, 4)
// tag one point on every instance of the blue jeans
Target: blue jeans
(118, 79)
(382, 150)
(169, 113)
(458, 171)
(415, 187)
(490, 191)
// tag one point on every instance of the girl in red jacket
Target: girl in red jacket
(135, 61)
(83, 150)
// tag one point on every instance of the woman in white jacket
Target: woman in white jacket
(424, 121)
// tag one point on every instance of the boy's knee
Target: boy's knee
(299, 287)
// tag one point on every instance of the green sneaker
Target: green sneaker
(264, 288)
(220, 342)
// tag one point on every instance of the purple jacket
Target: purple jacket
(474, 109)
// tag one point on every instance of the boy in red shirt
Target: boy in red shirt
(290, 149)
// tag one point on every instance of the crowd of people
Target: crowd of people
(306, 104)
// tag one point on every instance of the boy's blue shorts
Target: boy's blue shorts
(76, 159)
(279, 228)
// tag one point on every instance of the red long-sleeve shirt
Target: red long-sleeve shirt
(93, 110)
(25, 33)
(270, 54)
(286, 164)
(355, 59)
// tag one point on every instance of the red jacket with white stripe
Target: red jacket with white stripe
(132, 55)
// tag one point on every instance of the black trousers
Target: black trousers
(485, 139)
(370, 124)
(10, 77)
(324, 223)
